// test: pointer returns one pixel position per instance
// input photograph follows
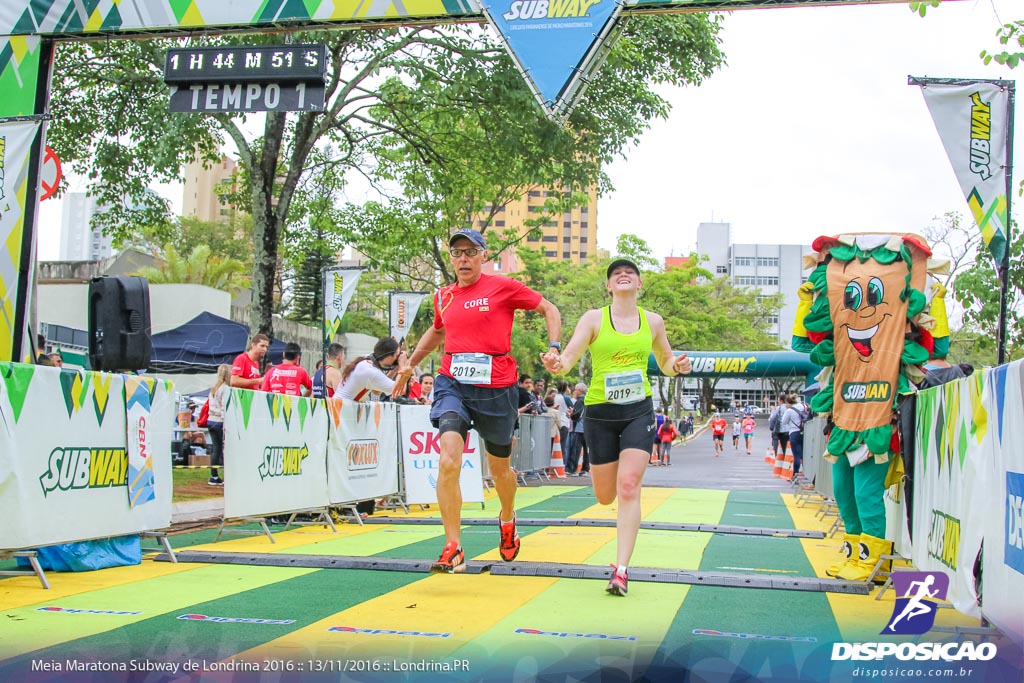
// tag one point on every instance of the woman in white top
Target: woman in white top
(373, 373)
(218, 399)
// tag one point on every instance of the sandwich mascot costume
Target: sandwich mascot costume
(865, 317)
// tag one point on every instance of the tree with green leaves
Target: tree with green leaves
(200, 267)
(441, 96)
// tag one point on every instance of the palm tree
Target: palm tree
(199, 268)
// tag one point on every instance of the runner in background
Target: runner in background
(737, 428)
(475, 388)
(619, 421)
(289, 377)
(718, 427)
(748, 431)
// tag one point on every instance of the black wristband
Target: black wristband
(556, 345)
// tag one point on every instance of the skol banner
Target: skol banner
(64, 457)
(952, 459)
(339, 285)
(15, 147)
(403, 311)
(421, 453)
(972, 118)
(276, 450)
(362, 451)
(1002, 502)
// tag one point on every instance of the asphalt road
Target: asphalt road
(694, 465)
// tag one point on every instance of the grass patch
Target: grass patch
(190, 484)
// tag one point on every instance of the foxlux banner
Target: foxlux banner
(277, 447)
(64, 457)
(362, 451)
(339, 284)
(972, 119)
(404, 306)
(421, 453)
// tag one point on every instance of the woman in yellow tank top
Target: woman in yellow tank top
(619, 421)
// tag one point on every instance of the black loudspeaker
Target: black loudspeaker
(119, 324)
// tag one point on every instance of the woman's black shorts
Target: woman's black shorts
(611, 428)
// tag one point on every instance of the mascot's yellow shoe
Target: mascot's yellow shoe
(846, 550)
(869, 551)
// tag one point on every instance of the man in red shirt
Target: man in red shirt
(245, 371)
(289, 377)
(476, 385)
(718, 425)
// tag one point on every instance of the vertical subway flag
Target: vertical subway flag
(339, 286)
(403, 310)
(972, 119)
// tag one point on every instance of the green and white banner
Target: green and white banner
(275, 453)
(15, 148)
(952, 459)
(362, 451)
(972, 119)
(64, 456)
(339, 284)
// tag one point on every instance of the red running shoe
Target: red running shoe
(508, 547)
(619, 585)
(452, 560)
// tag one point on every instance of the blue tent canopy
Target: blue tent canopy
(203, 343)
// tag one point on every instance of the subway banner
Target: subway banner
(362, 451)
(421, 453)
(276, 447)
(1001, 498)
(953, 456)
(15, 150)
(973, 119)
(339, 284)
(65, 456)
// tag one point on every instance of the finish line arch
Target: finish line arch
(29, 30)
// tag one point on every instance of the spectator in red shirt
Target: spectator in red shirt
(245, 371)
(289, 377)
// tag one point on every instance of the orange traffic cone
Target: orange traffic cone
(769, 457)
(780, 459)
(557, 468)
(787, 467)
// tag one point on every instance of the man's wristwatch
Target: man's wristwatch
(555, 345)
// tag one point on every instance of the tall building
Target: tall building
(200, 189)
(769, 268)
(570, 237)
(79, 241)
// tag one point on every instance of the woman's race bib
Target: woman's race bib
(471, 368)
(624, 387)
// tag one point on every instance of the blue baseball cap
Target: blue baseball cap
(471, 235)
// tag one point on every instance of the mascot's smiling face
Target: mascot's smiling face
(867, 290)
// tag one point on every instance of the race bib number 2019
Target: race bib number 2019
(471, 368)
(624, 387)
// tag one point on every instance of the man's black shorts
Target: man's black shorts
(492, 412)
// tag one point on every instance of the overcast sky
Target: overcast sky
(810, 129)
